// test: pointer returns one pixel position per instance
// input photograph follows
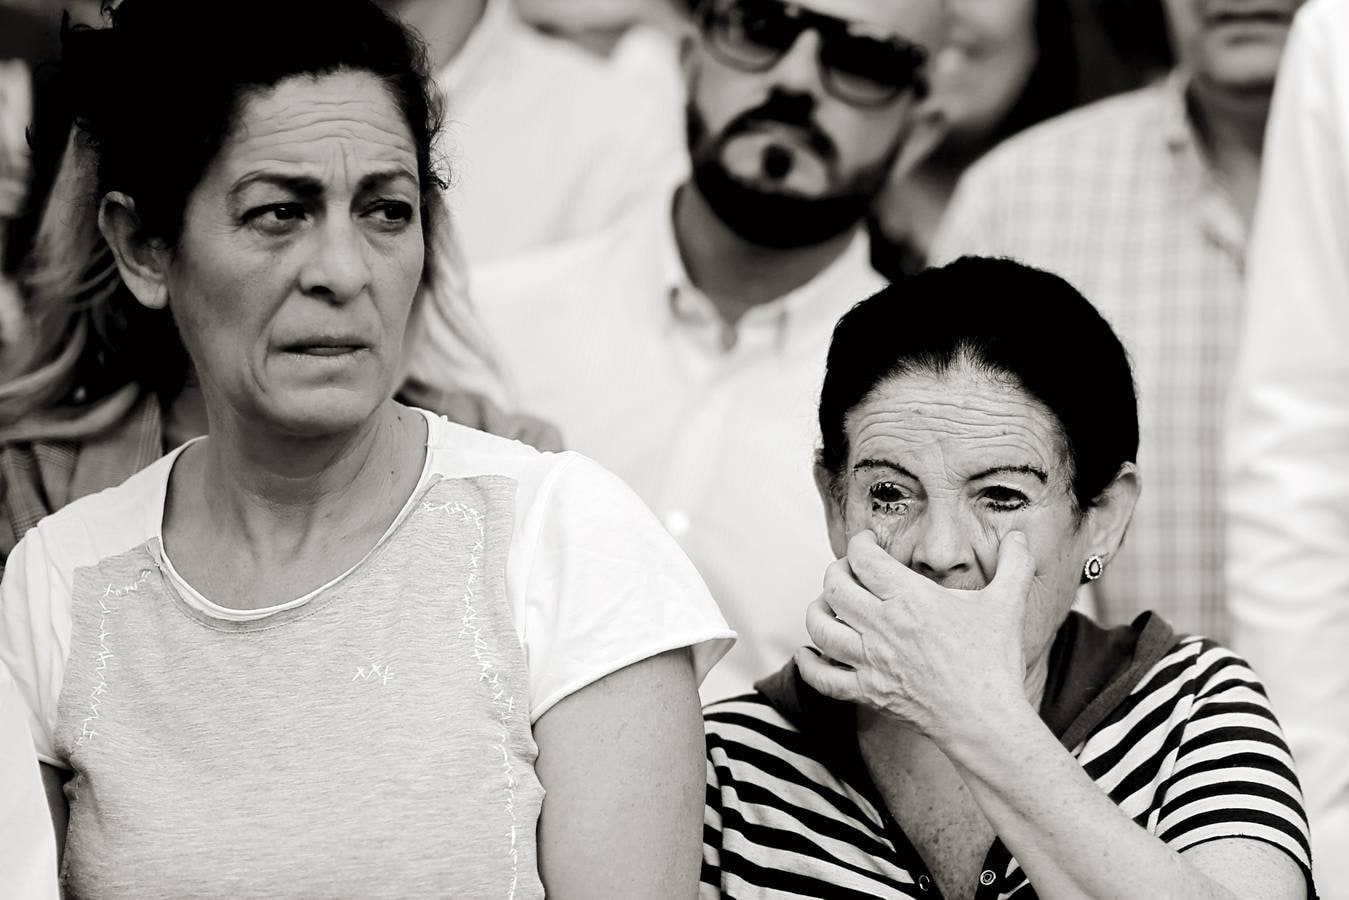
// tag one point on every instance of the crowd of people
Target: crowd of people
(658, 448)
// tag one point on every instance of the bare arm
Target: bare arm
(1073, 841)
(622, 761)
(53, 783)
(950, 665)
(28, 852)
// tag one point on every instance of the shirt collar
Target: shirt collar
(804, 313)
(1215, 206)
(498, 19)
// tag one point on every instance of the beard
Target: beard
(780, 220)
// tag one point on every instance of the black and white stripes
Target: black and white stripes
(1192, 753)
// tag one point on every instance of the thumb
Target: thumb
(1016, 567)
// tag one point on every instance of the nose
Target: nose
(799, 68)
(336, 270)
(942, 549)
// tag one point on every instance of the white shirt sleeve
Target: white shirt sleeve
(35, 637)
(1288, 447)
(606, 586)
(27, 841)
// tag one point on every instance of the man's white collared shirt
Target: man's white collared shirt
(546, 142)
(714, 427)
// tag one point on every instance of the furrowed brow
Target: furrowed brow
(299, 185)
(376, 180)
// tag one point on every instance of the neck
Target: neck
(277, 490)
(445, 27)
(1231, 129)
(734, 274)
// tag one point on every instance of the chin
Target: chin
(1245, 68)
(324, 412)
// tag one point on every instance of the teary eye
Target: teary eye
(887, 497)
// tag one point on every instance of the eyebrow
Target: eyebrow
(863, 464)
(1033, 471)
(307, 186)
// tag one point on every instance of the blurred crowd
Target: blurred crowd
(649, 253)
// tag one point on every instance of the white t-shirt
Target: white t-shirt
(509, 580)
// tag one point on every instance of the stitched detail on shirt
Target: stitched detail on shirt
(105, 653)
(502, 701)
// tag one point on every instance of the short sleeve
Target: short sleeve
(27, 841)
(605, 586)
(35, 636)
(710, 882)
(1234, 775)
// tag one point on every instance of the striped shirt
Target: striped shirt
(1176, 730)
(1118, 198)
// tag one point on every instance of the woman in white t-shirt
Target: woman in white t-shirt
(340, 647)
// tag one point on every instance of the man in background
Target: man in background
(684, 348)
(1143, 201)
(1288, 448)
(544, 140)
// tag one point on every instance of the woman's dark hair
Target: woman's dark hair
(1009, 321)
(159, 92)
(154, 98)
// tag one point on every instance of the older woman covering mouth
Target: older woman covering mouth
(960, 732)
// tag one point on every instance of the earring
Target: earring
(1093, 568)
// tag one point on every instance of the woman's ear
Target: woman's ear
(833, 511)
(1108, 519)
(142, 264)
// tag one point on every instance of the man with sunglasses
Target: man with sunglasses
(684, 347)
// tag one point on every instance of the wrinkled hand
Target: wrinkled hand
(907, 647)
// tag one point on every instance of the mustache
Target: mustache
(783, 108)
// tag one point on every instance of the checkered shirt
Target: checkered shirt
(1118, 198)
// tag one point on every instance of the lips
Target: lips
(326, 346)
(1235, 13)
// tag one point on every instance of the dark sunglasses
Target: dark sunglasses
(859, 68)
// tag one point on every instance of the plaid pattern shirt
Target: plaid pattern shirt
(1118, 198)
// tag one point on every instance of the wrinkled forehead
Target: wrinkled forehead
(312, 122)
(919, 21)
(971, 416)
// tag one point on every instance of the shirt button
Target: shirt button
(986, 877)
(924, 883)
(677, 522)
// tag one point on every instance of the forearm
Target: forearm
(1067, 835)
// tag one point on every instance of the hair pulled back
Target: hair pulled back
(1014, 323)
(154, 98)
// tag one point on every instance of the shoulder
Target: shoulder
(558, 496)
(748, 739)
(586, 286)
(604, 92)
(1197, 667)
(1317, 16)
(108, 523)
(571, 267)
(1072, 141)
